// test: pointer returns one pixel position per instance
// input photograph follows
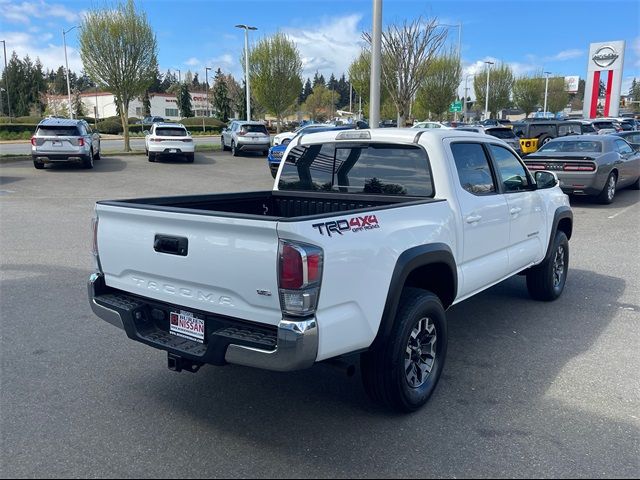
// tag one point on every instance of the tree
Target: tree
(528, 93)
(557, 96)
(275, 68)
(221, 102)
(320, 103)
(500, 85)
(184, 101)
(306, 91)
(119, 50)
(360, 74)
(188, 77)
(195, 83)
(76, 104)
(318, 80)
(440, 84)
(168, 80)
(237, 96)
(407, 51)
(634, 93)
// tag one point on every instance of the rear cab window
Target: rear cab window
(375, 168)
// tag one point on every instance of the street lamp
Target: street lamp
(179, 75)
(246, 64)
(206, 75)
(64, 41)
(1, 109)
(486, 102)
(546, 86)
(376, 65)
(6, 79)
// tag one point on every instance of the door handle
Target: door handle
(473, 218)
(515, 210)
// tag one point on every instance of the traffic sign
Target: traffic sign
(455, 106)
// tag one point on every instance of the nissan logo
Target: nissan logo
(605, 56)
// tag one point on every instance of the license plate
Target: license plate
(186, 325)
(56, 143)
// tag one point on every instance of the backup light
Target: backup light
(299, 279)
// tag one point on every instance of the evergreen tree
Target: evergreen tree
(77, 105)
(188, 77)
(318, 80)
(184, 101)
(306, 91)
(146, 104)
(221, 103)
(59, 86)
(168, 80)
(195, 84)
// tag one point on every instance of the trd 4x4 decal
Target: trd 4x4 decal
(355, 224)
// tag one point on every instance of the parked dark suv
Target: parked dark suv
(534, 134)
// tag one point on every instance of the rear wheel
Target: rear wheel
(546, 281)
(224, 147)
(190, 157)
(265, 153)
(636, 185)
(39, 164)
(234, 151)
(609, 191)
(97, 155)
(87, 160)
(151, 156)
(543, 140)
(403, 372)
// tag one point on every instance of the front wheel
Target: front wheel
(403, 371)
(546, 281)
(234, 150)
(609, 191)
(38, 164)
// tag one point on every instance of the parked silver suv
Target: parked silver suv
(63, 139)
(243, 136)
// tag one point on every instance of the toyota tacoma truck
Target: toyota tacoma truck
(366, 239)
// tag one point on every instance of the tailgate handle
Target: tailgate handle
(171, 245)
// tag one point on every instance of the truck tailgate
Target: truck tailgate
(230, 266)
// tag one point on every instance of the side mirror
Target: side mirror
(146, 132)
(545, 179)
(189, 133)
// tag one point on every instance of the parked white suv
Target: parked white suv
(169, 139)
(243, 136)
(64, 139)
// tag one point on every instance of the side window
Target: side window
(586, 128)
(88, 129)
(623, 147)
(511, 172)
(473, 168)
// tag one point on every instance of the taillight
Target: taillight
(300, 276)
(81, 142)
(531, 166)
(242, 133)
(33, 141)
(584, 167)
(94, 244)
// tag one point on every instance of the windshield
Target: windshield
(254, 129)
(56, 131)
(573, 146)
(504, 133)
(369, 169)
(171, 132)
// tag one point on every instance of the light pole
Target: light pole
(6, 79)
(466, 89)
(546, 86)
(179, 75)
(64, 41)
(486, 102)
(206, 76)
(1, 109)
(246, 65)
(376, 65)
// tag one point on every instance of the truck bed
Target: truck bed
(269, 205)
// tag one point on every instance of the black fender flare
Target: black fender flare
(408, 261)
(560, 214)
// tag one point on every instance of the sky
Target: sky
(530, 36)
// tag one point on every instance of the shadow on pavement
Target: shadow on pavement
(105, 164)
(75, 387)
(624, 198)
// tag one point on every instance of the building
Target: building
(162, 105)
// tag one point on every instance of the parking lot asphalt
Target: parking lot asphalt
(529, 389)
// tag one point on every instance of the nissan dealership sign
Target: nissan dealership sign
(606, 61)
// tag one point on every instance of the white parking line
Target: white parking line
(621, 211)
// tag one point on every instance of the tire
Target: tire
(151, 156)
(274, 173)
(38, 164)
(190, 157)
(543, 140)
(234, 151)
(87, 161)
(392, 379)
(224, 147)
(265, 153)
(635, 185)
(609, 191)
(546, 281)
(97, 156)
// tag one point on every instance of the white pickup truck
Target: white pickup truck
(365, 241)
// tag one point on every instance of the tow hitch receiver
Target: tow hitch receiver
(177, 364)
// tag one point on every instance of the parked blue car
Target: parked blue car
(277, 151)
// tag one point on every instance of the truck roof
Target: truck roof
(400, 135)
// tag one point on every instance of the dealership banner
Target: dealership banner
(606, 60)
(571, 83)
